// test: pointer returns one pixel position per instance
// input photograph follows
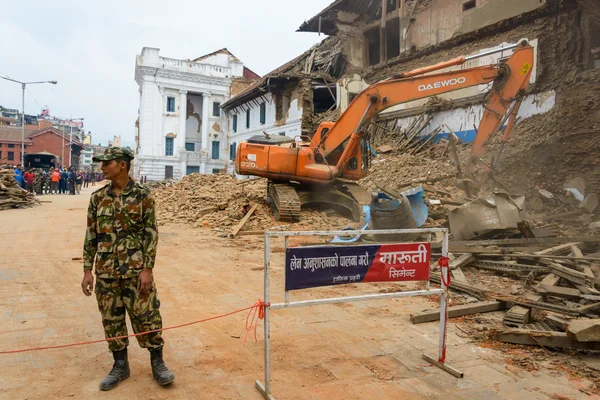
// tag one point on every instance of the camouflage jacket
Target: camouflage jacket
(121, 232)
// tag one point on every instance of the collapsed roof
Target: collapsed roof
(324, 60)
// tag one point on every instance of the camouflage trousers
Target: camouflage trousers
(115, 296)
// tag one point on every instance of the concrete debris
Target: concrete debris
(584, 330)
(499, 211)
(553, 284)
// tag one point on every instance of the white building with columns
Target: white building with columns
(181, 127)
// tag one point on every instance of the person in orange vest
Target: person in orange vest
(54, 183)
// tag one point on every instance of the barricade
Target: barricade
(330, 265)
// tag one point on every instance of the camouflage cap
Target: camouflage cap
(113, 153)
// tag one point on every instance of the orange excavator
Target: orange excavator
(319, 169)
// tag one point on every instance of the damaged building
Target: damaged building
(291, 99)
(180, 128)
(556, 134)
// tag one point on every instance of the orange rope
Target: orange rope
(259, 305)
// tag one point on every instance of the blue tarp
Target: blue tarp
(417, 204)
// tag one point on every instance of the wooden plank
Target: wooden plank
(461, 261)
(475, 291)
(569, 274)
(576, 251)
(558, 291)
(524, 241)
(528, 256)
(584, 330)
(458, 275)
(459, 311)
(543, 338)
(240, 224)
(589, 308)
(556, 249)
(251, 233)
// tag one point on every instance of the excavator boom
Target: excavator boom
(335, 150)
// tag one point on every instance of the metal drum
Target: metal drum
(388, 213)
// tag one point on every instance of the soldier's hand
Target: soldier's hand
(87, 284)
(145, 280)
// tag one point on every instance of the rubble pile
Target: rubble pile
(207, 199)
(221, 201)
(537, 292)
(397, 171)
(11, 194)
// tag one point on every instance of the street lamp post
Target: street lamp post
(23, 85)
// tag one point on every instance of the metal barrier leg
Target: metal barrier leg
(441, 361)
(265, 389)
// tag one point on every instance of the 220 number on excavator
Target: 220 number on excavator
(248, 164)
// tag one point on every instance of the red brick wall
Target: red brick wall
(52, 143)
(4, 150)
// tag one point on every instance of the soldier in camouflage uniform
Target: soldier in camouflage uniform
(121, 238)
(38, 181)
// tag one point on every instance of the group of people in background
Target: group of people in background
(55, 180)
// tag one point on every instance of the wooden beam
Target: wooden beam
(571, 275)
(458, 275)
(459, 311)
(251, 233)
(557, 291)
(556, 249)
(525, 241)
(462, 261)
(240, 224)
(543, 338)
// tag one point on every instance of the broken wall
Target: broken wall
(561, 143)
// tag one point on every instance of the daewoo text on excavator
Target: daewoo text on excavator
(317, 169)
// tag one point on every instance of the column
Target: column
(205, 105)
(180, 145)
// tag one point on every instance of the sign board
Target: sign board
(307, 267)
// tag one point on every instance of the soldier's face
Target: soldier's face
(111, 169)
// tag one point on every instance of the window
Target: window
(215, 150)
(232, 150)
(467, 5)
(216, 109)
(0, 144)
(169, 146)
(263, 113)
(192, 169)
(190, 146)
(11, 145)
(170, 104)
(216, 171)
(11, 156)
(168, 171)
(281, 133)
(234, 123)
(0, 156)
(247, 119)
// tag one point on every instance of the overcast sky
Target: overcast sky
(90, 48)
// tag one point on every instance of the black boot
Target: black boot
(119, 371)
(161, 373)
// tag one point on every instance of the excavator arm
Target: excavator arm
(509, 83)
(333, 150)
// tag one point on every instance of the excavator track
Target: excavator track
(284, 201)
